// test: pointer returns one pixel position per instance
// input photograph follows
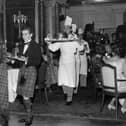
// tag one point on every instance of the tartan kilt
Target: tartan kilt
(30, 75)
(4, 103)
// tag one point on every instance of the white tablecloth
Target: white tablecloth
(12, 84)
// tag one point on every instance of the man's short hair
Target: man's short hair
(27, 27)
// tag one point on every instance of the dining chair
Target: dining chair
(110, 85)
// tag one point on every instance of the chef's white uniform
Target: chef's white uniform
(66, 72)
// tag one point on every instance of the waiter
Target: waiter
(32, 53)
(83, 59)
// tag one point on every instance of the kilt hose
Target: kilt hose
(4, 103)
(27, 88)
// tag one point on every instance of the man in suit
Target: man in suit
(32, 53)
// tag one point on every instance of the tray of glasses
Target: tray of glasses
(60, 40)
(21, 58)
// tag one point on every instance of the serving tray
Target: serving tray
(16, 58)
(60, 40)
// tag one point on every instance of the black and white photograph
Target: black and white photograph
(62, 62)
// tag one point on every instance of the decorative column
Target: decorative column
(2, 43)
(1, 21)
(4, 20)
(49, 16)
(57, 25)
(42, 22)
(37, 21)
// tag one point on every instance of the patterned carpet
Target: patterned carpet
(84, 106)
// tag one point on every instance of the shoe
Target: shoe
(68, 102)
(28, 123)
(123, 110)
(111, 107)
(65, 96)
(6, 123)
(5, 120)
(22, 120)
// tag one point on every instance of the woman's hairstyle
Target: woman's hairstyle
(117, 50)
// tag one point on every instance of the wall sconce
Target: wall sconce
(19, 19)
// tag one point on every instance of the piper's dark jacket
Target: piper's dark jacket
(33, 53)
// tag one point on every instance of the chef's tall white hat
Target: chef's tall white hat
(68, 21)
(74, 27)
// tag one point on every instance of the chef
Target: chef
(66, 70)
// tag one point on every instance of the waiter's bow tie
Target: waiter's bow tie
(26, 43)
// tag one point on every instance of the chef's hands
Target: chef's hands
(25, 60)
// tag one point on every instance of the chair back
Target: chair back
(109, 81)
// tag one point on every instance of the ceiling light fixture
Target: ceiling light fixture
(99, 0)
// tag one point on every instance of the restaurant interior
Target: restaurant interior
(103, 23)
